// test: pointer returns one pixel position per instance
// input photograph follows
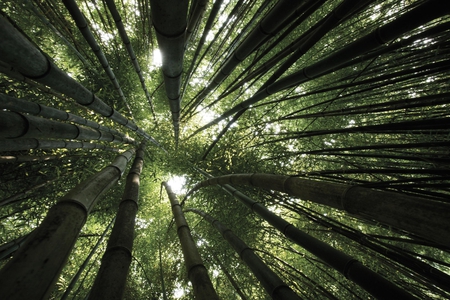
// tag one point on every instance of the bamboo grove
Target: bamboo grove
(239, 149)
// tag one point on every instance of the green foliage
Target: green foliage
(403, 80)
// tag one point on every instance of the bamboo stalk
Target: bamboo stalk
(124, 36)
(352, 269)
(32, 143)
(21, 54)
(270, 281)
(24, 106)
(82, 25)
(197, 273)
(35, 268)
(169, 20)
(421, 216)
(111, 278)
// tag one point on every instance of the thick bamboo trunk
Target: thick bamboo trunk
(32, 143)
(22, 55)
(270, 281)
(169, 20)
(16, 125)
(24, 106)
(426, 218)
(35, 268)
(197, 273)
(111, 278)
(352, 269)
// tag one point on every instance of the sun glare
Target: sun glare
(177, 184)
(157, 59)
(206, 115)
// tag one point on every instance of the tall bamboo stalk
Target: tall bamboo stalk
(17, 125)
(28, 158)
(346, 56)
(24, 106)
(82, 25)
(271, 282)
(434, 275)
(212, 16)
(197, 273)
(8, 248)
(169, 20)
(111, 278)
(194, 18)
(16, 197)
(352, 269)
(18, 52)
(124, 36)
(421, 216)
(47, 22)
(268, 25)
(230, 278)
(32, 143)
(35, 268)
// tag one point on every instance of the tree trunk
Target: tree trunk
(169, 20)
(18, 52)
(23, 106)
(197, 273)
(270, 281)
(111, 278)
(35, 268)
(421, 216)
(352, 269)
